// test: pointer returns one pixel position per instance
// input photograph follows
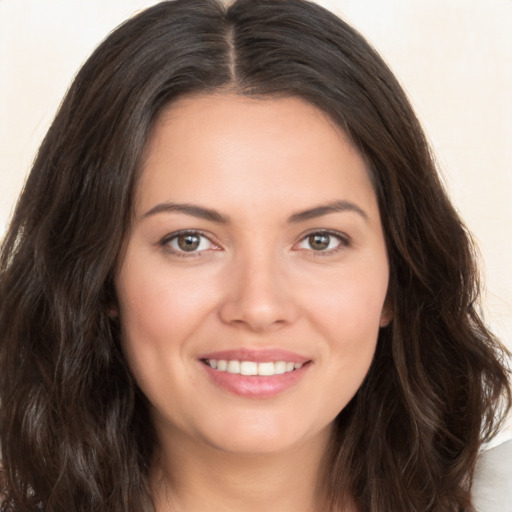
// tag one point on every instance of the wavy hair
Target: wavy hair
(74, 427)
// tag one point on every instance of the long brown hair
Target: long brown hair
(75, 434)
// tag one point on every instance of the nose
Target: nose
(259, 296)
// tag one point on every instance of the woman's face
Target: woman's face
(254, 279)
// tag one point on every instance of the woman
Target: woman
(234, 282)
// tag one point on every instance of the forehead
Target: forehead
(221, 144)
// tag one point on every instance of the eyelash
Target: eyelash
(165, 243)
(344, 242)
(343, 239)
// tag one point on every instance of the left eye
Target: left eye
(321, 242)
(189, 242)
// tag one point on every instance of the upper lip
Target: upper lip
(259, 355)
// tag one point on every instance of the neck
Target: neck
(192, 478)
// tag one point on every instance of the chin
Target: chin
(265, 438)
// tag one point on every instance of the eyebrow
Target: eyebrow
(324, 209)
(188, 209)
(214, 216)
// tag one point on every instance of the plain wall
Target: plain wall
(454, 58)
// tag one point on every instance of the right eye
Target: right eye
(188, 242)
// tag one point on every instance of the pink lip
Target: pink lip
(256, 386)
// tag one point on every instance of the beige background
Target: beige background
(454, 57)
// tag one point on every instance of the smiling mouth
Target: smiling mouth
(253, 368)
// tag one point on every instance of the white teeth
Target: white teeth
(233, 367)
(248, 368)
(252, 367)
(280, 367)
(266, 369)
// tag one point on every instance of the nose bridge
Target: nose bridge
(258, 296)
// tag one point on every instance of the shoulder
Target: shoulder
(492, 484)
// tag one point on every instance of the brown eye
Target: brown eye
(323, 241)
(319, 241)
(189, 242)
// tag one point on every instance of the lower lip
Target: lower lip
(256, 386)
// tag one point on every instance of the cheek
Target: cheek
(156, 301)
(349, 306)
(157, 323)
(348, 313)
(354, 325)
(155, 318)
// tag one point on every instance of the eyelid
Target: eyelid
(344, 241)
(165, 242)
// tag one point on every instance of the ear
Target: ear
(111, 302)
(386, 316)
(113, 312)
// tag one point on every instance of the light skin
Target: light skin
(256, 227)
